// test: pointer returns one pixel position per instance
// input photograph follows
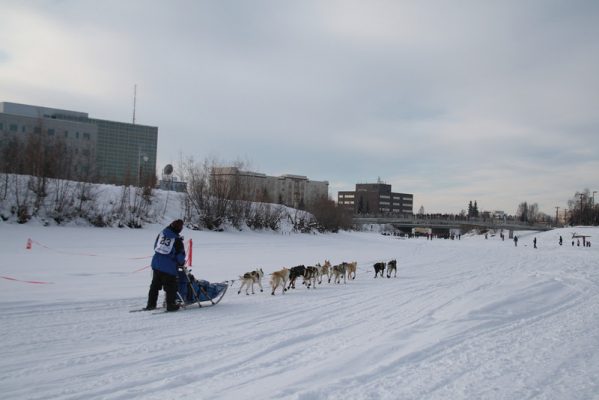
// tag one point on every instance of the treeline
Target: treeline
(46, 178)
(208, 204)
(58, 201)
(46, 158)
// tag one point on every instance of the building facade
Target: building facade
(110, 151)
(291, 190)
(375, 198)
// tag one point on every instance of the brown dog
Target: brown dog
(351, 269)
(324, 270)
(279, 278)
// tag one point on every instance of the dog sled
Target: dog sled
(198, 292)
(195, 292)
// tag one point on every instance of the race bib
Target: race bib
(164, 245)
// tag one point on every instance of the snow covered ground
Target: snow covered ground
(467, 319)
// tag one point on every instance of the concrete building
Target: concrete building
(291, 190)
(112, 152)
(375, 198)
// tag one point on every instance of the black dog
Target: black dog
(379, 267)
(294, 272)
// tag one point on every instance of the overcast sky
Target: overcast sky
(493, 101)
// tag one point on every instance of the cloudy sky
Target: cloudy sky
(494, 101)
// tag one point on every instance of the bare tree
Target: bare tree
(583, 211)
(330, 217)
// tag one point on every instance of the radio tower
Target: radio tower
(134, 101)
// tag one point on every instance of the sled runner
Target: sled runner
(192, 292)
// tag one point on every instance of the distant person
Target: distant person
(169, 255)
(515, 240)
(560, 240)
(578, 242)
(534, 242)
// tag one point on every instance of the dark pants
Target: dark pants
(161, 280)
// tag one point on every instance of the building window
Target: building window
(50, 132)
(23, 128)
(37, 129)
(86, 136)
(66, 134)
(1, 126)
(13, 127)
(77, 135)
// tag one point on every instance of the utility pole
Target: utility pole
(556, 216)
(581, 212)
(134, 101)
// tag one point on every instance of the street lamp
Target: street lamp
(594, 191)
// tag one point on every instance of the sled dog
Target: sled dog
(338, 272)
(391, 267)
(294, 273)
(351, 269)
(279, 278)
(249, 278)
(310, 276)
(379, 267)
(325, 270)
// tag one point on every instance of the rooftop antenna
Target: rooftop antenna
(134, 101)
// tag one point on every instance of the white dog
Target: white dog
(392, 267)
(249, 278)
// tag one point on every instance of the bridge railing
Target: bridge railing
(447, 220)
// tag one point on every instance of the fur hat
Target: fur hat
(177, 225)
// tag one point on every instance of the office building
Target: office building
(106, 151)
(375, 198)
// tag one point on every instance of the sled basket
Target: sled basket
(191, 290)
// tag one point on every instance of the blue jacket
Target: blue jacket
(169, 252)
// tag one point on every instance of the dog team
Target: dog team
(285, 278)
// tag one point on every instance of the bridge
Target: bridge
(447, 222)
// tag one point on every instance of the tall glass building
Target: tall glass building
(122, 153)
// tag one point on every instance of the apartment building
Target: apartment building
(291, 190)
